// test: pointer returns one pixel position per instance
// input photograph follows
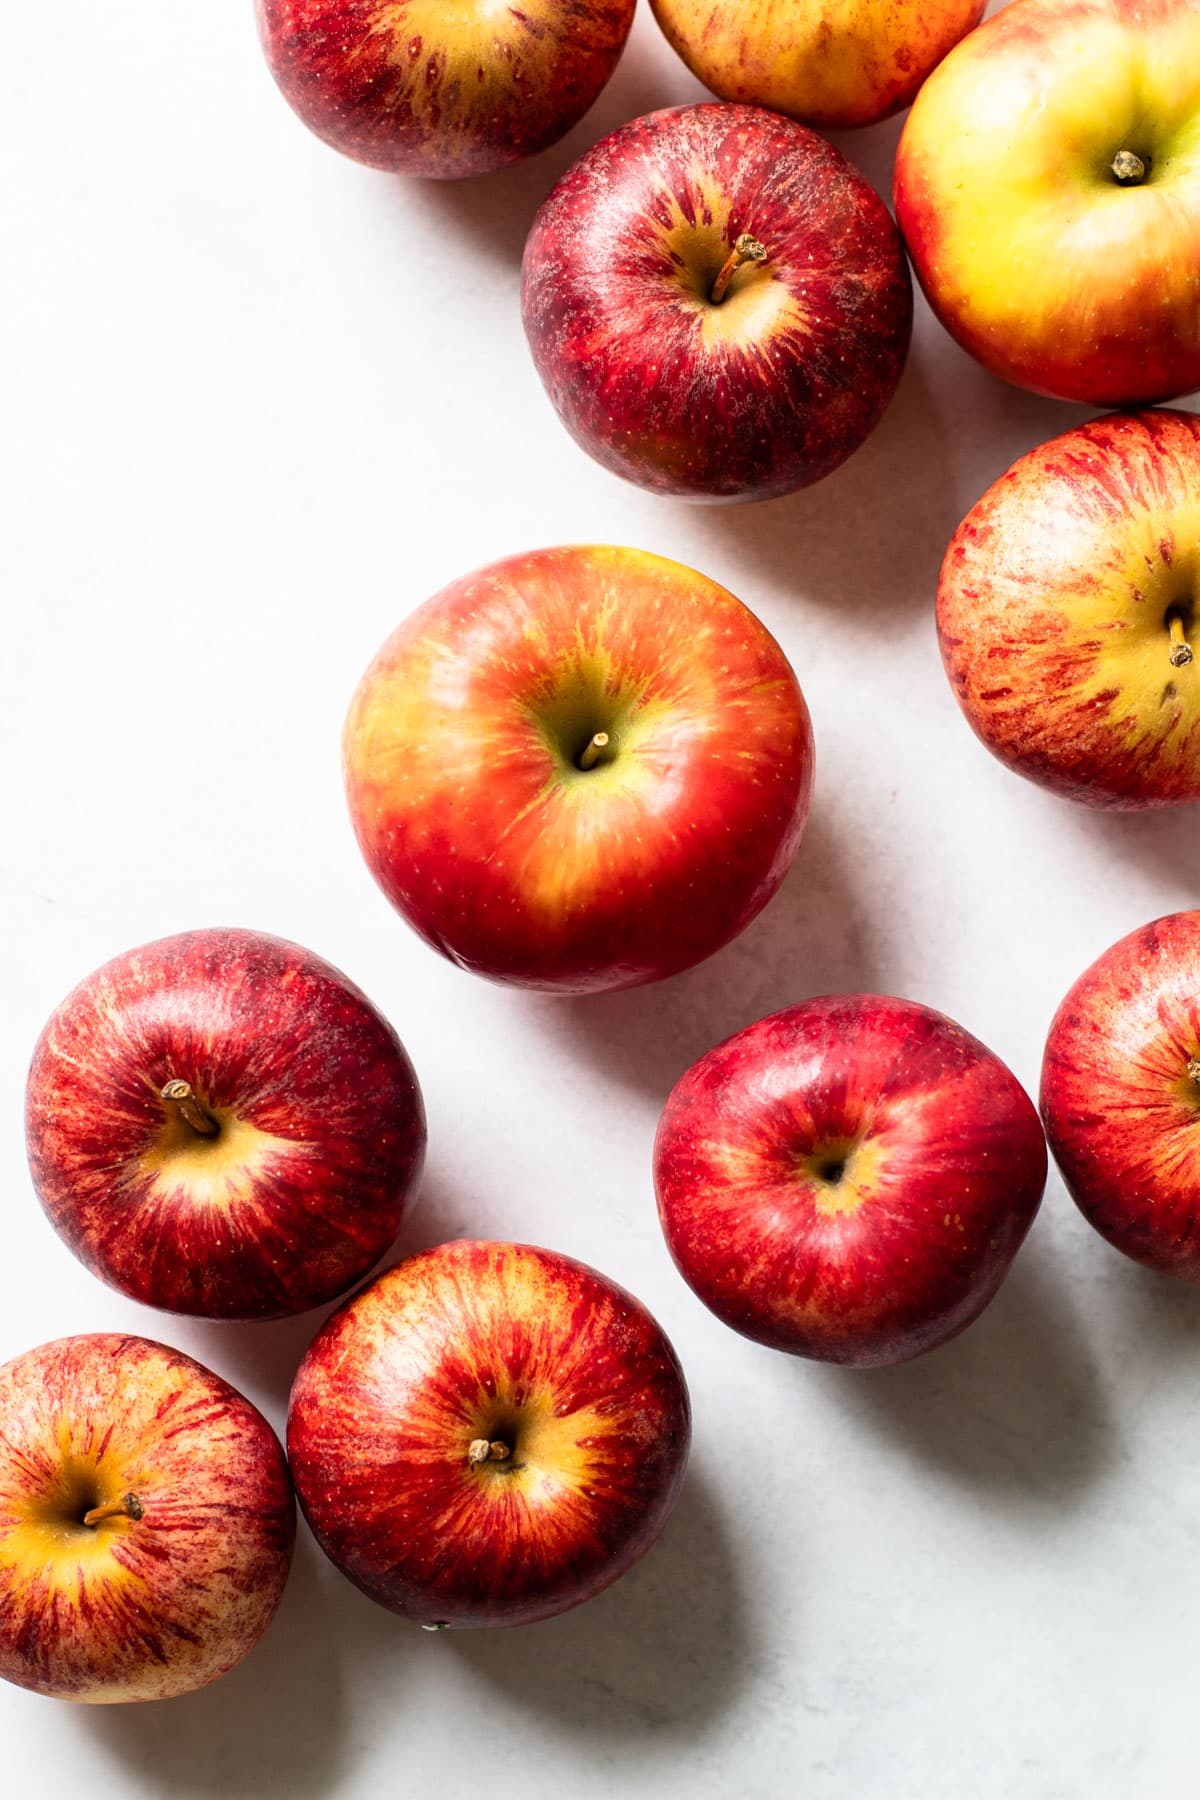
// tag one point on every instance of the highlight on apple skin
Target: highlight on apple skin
(1069, 607)
(1121, 1094)
(579, 768)
(146, 1521)
(717, 302)
(828, 63)
(488, 1434)
(220, 1123)
(423, 87)
(849, 1179)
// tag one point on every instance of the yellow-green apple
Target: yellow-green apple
(717, 302)
(1121, 1094)
(441, 87)
(488, 1434)
(1067, 609)
(580, 768)
(220, 1123)
(1048, 187)
(828, 62)
(849, 1179)
(146, 1521)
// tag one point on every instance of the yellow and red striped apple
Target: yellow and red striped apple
(146, 1521)
(488, 1434)
(579, 769)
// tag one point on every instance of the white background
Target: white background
(259, 402)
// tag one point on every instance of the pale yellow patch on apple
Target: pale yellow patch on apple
(216, 1171)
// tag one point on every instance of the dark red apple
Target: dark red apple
(146, 1521)
(849, 1179)
(220, 1123)
(441, 87)
(488, 1434)
(717, 302)
(1121, 1094)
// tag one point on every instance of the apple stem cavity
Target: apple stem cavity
(746, 249)
(1181, 650)
(1128, 168)
(482, 1450)
(1193, 1070)
(182, 1095)
(127, 1507)
(592, 751)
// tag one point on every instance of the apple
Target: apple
(717, 303)
(1067, 613)
(1121, 1094)
(848, 1179)
(441, 87)
(488, 1434)
(828, 62)
(1048, 188)
(221, 1124)
(146, 1521)
(579, 768)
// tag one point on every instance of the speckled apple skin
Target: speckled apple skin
(134, 1609)
(457, 1344)
(1120, 1109)
(769, 390)
(944, 1167)
(323, 1133)
(1052, 612)
(511, 861)
(441, 88)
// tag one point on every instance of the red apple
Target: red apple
(1066, 613)
(220, 1123)
(579, 769)
(828, 62)
(849, 1179)
(146, 1521)
(441, 87)
(717, 302)
(488, 1434)
(1048, 187)
(1121, 1094)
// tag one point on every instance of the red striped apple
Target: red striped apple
(849, 1179)
(1067, 610)
(579, 769)
(146, 1521)
(717, 303)
(220, 1123)
(488, 1434)
(1121, 1094)
(441, 87)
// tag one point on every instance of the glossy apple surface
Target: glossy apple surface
(464, 754)
(849, 1179)
(488, 1434)
(1067, 611)
(826, 62)
(441, 87)
(180, 1574)
(1121, 1094)
(688, 377)
(283, 1177)
(1039, 244)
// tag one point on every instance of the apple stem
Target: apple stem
(183, 1095)
(1128, 168)
(127, 1507)
(481, 1451)
(1181, 652)
(747, 249)
(1193, 1070)
(593, 751)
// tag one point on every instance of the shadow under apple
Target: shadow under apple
(1163, 844)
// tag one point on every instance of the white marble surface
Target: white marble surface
(259, 402)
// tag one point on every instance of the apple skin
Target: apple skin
(829, 63)
(474, 1342)
(848, 1179)
(1032, 254)
(321, 1140)
(134, 1608)
(1055, 605)
(441, 88)
(461, 751)
(1120, 1104)
(765, 392)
